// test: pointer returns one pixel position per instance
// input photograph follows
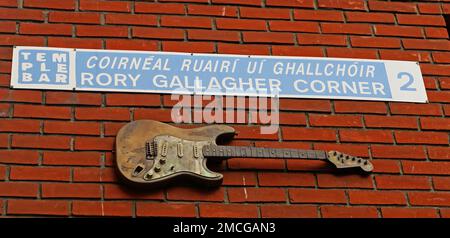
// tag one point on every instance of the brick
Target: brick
(368, 136)
(256, 195)
(195, 194)
(444, 83)
(238, 2)
(268, 37)
(390, 122)
(407, 31)
(343, 4)
(240, 24)
(69, 98)
(74, 17)
(316, 196)
(291, 3)
(178, 21)
(71, 158)
(19, 157)
(113, 191)
(20, 125)
(31, 96)
(92, 143)
(102, 5)
(386, 166)
(8, 3)
(319, 15)
(38, 207)
(112, 128)
(65, 5)
(222, 11)
(288, 211)
(338, 28)
(94, 175)
(413, 137)
(445, 213)
(114, 114)
(348, 212)
(38, 111)
(21, 14)
(426, 44)
(438, 153)
(305, 105)
(309, 165)
(252, 132)
(2, 174)
(165, 210)
(158, 8)
(4, 140)
(75, 43)
(420, 20)
(77, 128)
(402, 182)
(429, 109)
(228, 210)
(8, 27)
(102, 208)
(335, 120)
(440, 96)
(297, 26)
(297, 51)
(355, 150)
(392, 6)
(102, 31)
(65, 190)
(316, 39)
(436, 32)
(123, 99)
(194, 47)
(6, 52)
(266, 164)
(121, 44)
(429, 8)
(207, 35)
(39, 173)
(441, 183)
(157, 33)
(127, 19)
(11, 40)
(429, 198)
(372, 17)
(377, 197)
(4, 110)
(231, 178)
(375, 42)
(352, 53)
(313, 134)
(432, 168)
(400, 212)
(432, 123)
(344, 181)
(18, 189)
(441, 57)
(405, 55)
(398, 152)
(163, 115)
(286, 179)
(41, 142)
(264, 13)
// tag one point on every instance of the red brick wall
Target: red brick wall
(56, 147)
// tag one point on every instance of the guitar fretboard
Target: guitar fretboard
(219, 151)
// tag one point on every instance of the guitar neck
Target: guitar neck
(226, 152)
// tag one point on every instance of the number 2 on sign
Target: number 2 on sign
(410, 80)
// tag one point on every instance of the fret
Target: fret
(260, 152)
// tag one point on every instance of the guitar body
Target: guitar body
(153, 153)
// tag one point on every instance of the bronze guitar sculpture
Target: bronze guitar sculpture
(152, 153)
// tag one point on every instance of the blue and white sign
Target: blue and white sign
(214, 74)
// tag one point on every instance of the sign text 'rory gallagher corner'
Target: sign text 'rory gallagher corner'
(214, 74)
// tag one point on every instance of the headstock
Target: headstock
(342, 160)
